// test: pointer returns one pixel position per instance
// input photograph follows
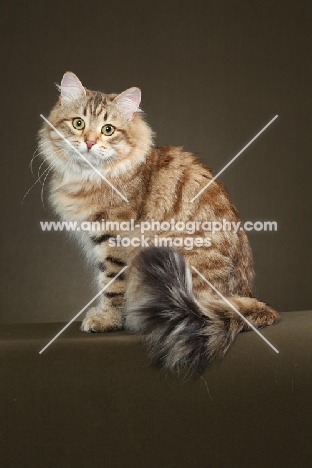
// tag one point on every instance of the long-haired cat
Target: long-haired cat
(187, 324)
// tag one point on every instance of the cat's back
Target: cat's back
(176, 177)
(172, 165)
(174, 160)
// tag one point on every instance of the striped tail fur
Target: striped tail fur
(182, 332)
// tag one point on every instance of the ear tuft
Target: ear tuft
(71, 87)
(128, 102)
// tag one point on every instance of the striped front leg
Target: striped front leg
(107, 315)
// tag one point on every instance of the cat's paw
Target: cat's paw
(100, 323)
(271, 316)
(264, 316)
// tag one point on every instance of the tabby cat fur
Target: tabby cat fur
(186, 324)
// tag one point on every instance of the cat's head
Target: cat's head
(105, 129)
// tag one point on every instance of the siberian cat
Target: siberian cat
(159, 295)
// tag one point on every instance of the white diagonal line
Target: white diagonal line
(235, 310)
(233, 159)
(84, 308)
(85, 159)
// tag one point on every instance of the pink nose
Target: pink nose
(90, 143)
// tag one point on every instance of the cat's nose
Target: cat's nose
(90, 143)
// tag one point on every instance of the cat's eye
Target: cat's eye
(108, 130)
(78, 123)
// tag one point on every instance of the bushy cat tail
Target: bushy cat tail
(182, 333)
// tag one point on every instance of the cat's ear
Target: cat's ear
(71, 87)
(129, 101)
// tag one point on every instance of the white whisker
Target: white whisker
(42, 188)
(34, 184)
(32, 160)
(38, 173)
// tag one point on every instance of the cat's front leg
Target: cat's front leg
(108, 314)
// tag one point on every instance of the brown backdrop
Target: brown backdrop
(212, 73)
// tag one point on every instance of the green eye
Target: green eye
(78, 123)
(108, 130)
